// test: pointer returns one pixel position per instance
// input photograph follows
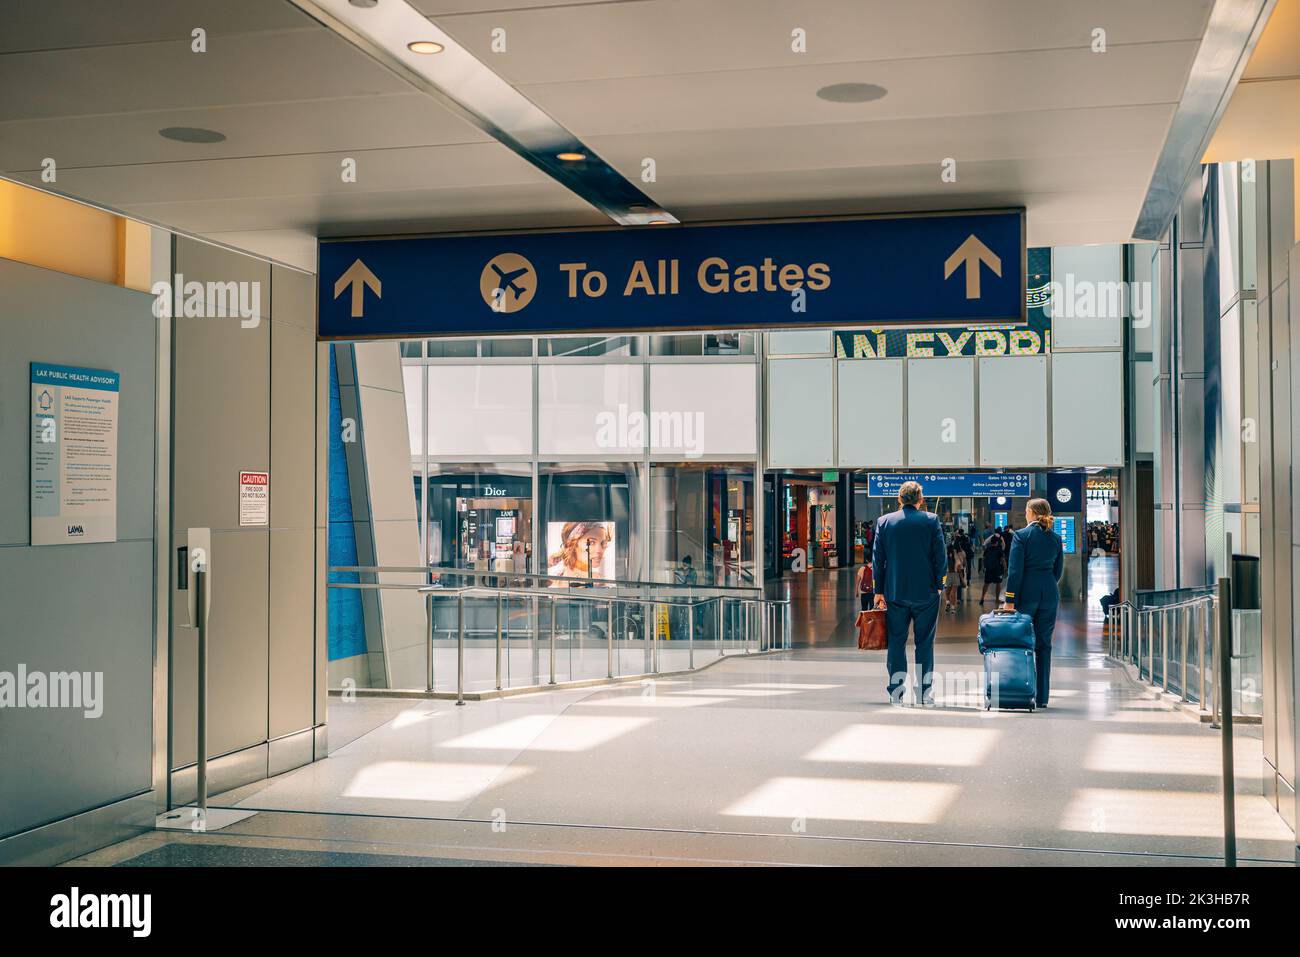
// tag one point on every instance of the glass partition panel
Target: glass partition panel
(702, 525)
(480, 517)
(589, 523)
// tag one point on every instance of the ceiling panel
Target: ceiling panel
(669, 37)
(997, 83)
(62, 24)
(709, 88)
(241, 70)
(344, 124)
(1005, 136)
(417, 168)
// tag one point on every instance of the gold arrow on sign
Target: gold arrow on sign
(972, 252)
(358, 276)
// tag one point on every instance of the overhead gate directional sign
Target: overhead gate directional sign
(957, 268)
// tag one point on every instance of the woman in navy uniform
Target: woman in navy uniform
(1034, 569)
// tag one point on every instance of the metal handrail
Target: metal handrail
(1184, 630)
(762, 622)
(702, 589)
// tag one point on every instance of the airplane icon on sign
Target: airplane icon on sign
(507, 280)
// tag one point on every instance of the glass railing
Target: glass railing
(1171, 639)
(492, 632)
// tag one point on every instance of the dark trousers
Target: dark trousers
(924, 619)
(1044, 616)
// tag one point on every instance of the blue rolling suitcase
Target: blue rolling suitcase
(1010, 679)
(1010, 670)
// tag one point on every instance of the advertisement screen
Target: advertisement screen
(1065, 529)
(580, 549)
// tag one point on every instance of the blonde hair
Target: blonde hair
(1041, 510)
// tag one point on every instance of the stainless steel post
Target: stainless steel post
(552, 640)
(654, 631)
(201, 772)
(609, 639)
(1184, 636)
(500, 620)
(690, 635)
(460, 649)
(1164, 649)
(1151, 649)
(722, 648)
(428, 621)
(1225, 706)
(1203, 620)
(1213, 619)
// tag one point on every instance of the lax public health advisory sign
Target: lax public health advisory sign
(943, 268)
(73, 454)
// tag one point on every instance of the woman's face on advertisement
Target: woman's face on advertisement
(591, 551)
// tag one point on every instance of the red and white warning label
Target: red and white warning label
(254, 498)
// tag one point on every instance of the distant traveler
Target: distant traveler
(909, 565)
(1032, 583)
(866, 586)
(995, 555)
(685, 574)
(952, 580)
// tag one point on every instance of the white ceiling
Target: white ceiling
(708, 88)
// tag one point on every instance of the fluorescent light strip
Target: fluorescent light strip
(465, 85)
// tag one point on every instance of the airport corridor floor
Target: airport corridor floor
(790, 758)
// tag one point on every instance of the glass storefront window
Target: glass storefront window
(452, 348)
(703, 344)
(704, 513)
(572, 346)
(480, 517)
(588, 522)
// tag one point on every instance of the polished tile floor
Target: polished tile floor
(794, 758)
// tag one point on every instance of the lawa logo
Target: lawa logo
(74, 909)
(76, 530)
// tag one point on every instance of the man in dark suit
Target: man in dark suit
(909, 563)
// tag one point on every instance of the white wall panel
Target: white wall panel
(802, 342)
(940, 412)
(1144, 395)
(1087, 404)
(411, 377)
(576, 403)
(480, 410)
(1086, 280)
(1013, 411)
(870, 404)
(719, 398)
(800, 413)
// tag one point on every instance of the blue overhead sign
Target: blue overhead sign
(950, 484)
(958, 268)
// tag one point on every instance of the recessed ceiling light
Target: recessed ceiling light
(425, 46)
(659, 222)
(571, 157)
(364, 4)
(191, 134)
(851, 92)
